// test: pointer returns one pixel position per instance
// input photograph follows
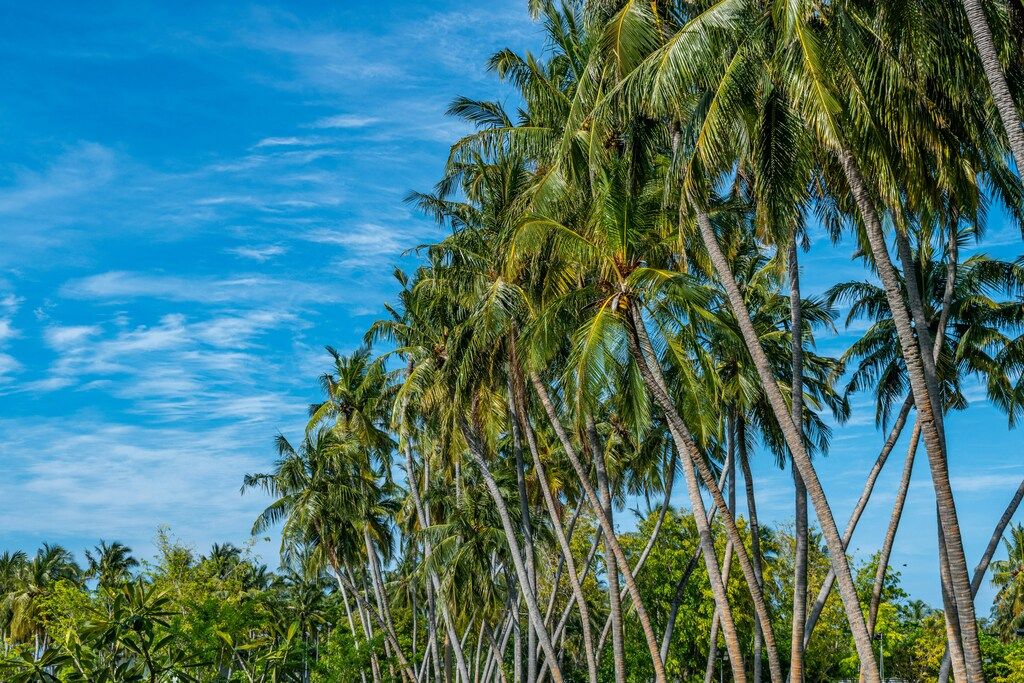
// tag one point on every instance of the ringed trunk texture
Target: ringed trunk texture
(837, 551)
(986, 559)
(858, 510)
(931, 422)
(650, 370)
(982, 33)
(563, 542)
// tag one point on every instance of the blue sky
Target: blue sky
(196, 197)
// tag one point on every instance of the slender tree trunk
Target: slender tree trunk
(730, 481)
(519, 408)
(890, 535)
(650, 370)
(755, 533)
(996, 79)
(796, 657)
(611, 567)
(858, 510)
(837, 553)
(524, 514)
(680, 589)
(384, 606)
(684, 444)
(423, 517)
(986, 559)
(604, 523)
(931, 423)
(954, 638)
(666, 502)
(476, 451)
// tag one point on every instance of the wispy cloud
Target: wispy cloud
(120, 286)
(344, 121)
(81, 168)
(259, 253)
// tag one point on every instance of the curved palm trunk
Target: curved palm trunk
(476, 451)
(383, 604)
(755, 534)
(930, 419)
(389, 635)
(709, 667)
(603, 521)
(519, 410)
(986, 559)
(858, 510)
(837, 552)
(890, 535)
(680, 590)
(611, 566)
(730, 481)
(666, 501)
(954, 638)
(527, 528)
(424, 521)
(982, 33)
(650, 370)
(796, 656)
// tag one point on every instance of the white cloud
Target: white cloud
(64, 337)
(82, 168)
(260, 254)
(345, 121)
(113, 480)
(127, 285)
(289, 142)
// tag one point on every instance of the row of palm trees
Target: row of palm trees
(618, 303)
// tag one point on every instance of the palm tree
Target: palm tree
(1008, 577)
(110, 563)
(34, 580)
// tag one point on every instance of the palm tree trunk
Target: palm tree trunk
(858, 510)
(954, 637)
(755, 532)
(986, 559)
(709, 667)
(650, 370)
(837, 553)
(729, 469)
(423, 517)
(383, 620)
(665, 503)
(611, 567)
(684, 444)
(996, 79)
(680, 589)
(796, 657)
(519, 410)
(476, 451)
(931, 422)
(890, 535)
(603, 522)
(524, 514)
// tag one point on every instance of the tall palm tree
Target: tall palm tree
(110, 564)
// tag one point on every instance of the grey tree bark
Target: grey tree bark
(837, 552)
(982, 33)
(603, 522)
(476, 451)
